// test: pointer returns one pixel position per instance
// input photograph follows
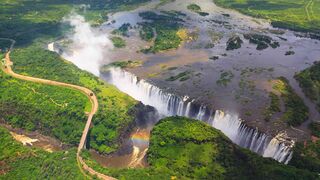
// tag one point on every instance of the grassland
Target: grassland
(299, 15)
(182, 148)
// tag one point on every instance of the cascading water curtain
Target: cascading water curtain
(168, 104)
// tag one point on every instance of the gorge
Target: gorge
(278, 147)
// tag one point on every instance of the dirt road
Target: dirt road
(83, 166)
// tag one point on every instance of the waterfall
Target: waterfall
(231, 125)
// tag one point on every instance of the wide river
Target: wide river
(251, 70)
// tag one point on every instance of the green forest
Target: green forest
(58, 112)
(21, 162)
(26, 20)
(179, 148)
(112, 117)
(182, 148)
(31, 59)
(55, 111)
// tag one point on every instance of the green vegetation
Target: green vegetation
(315, 129)
(194, 7)
(4, 45)
(123, 30)
(163, 2)
(183, 76)
(225, 78)
(214, 58)
(262, 41)
(273, 108)
(182, 148)
(55, 111)
(203, 13)
(20, 162)
(307, 154)
(147, 32)
(179, 147)
(209, 45)
(247, 84)
(118, 42)
(197, 9)
(309, 80)
(119, 5)
(296, 112)
(289, 53)
(26, 21)
(166, 26)
(299, 15)
(112, 117)
(226, 15)
(121, 64)
(172, 68)
(234, 43)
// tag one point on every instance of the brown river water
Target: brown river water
(130, 155)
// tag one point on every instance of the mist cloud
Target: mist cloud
(88, 47)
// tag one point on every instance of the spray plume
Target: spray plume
(88, 47)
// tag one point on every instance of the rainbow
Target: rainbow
(140, 138)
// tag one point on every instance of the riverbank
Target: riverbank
(35, 139)
(298, 16)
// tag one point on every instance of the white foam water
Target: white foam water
(230, 124)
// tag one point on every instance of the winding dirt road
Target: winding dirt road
(83, 166)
